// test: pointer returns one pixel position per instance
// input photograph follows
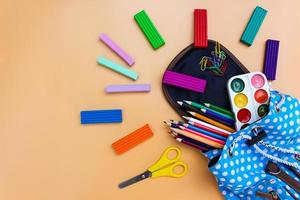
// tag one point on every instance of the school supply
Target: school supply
(190, 140)
(199, 106)
(118, 50)
(219, 109)
(216, 62)
(101, 116)
(207, 126)
(198, 137)
(246, 170)
(163, 167)
(187, 62)
(197, 131)
(253, 25)
(203, 131)
(117, 68)
(128, 88)
(188, 107)
(190, 144)
(211, 121)
(184, 81)
(217, 116)
(148, 28)
(271, 57)
(249, 95)
(200, 28)
(136, 137)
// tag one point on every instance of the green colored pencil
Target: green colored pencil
(219, 109)
(196, 105)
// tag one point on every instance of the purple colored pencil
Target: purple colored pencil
(184, 81)
(128, 88)
(190, 144)
(271, 57)
(118, 50)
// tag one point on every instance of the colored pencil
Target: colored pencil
(198, 138)
(190, 144)
(188, 107)
(205, 125)
(200, 130)
(211, 121)
(202, 135)
(217, 117)
(219, 109)
(203, 145)
(199, 106)
(197, 129)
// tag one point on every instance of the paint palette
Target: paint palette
(249, 96)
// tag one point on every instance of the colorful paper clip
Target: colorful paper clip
(200, 28)
(271, 57)
(215, 63)
(101, 116)
(118, 50)
(149, 29)
(128, 88)
(184, 81)
(133, 139)
(253, 25)
(117, 68)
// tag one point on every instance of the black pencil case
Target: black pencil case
(187, 62)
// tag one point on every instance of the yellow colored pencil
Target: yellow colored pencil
(211, 121)
(198, 138)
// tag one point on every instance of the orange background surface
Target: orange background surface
(49, 74)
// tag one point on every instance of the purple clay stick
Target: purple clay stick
(271, 57)
(118, 50)
(128, 88)
(184, 81)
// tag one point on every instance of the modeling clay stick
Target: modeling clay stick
(271, 57)
(118, 50)
(253, 25)
(200, 28)
(128, 88)
(133, 139)
(118, 68)
(149, 29)
(184, 81)
(101, 116)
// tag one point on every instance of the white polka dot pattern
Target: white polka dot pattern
(241, 174)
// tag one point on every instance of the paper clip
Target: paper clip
(203, 63)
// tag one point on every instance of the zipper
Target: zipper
(275, 170)
(173, 104)
(272, 195)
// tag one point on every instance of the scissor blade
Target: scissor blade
(135, 179)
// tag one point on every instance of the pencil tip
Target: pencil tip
(180, 102)
(188, 102)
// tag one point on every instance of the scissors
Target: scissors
(163, 167)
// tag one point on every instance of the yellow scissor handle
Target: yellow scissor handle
(164, 160)
(170, 170)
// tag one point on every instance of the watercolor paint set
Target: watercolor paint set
(249, 96)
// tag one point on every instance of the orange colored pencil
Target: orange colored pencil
(211, 121)
(198, 138)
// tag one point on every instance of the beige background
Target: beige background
(48, 74)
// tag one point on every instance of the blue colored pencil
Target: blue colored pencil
(208, 133)
(218, 117)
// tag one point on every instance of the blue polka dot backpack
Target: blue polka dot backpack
(262, 161)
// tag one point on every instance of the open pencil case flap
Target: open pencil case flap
(187, 62)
